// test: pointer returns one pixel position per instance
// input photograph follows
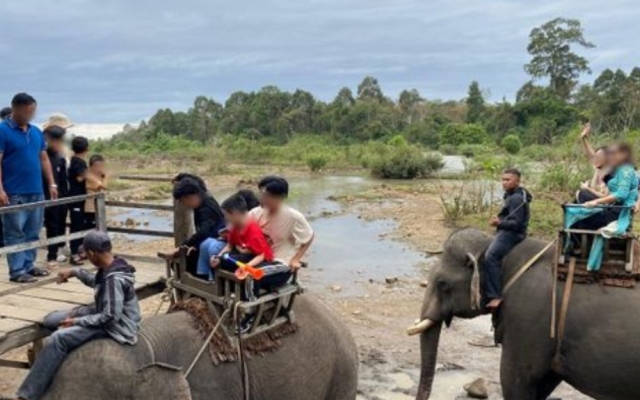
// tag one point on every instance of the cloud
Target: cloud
(119, 61)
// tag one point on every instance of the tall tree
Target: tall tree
(553, 56)
(369, 89)
(475, 103)
(408, 103)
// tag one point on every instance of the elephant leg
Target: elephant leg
(547, 385)
(516, 385)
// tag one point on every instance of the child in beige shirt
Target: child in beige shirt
(95, 182)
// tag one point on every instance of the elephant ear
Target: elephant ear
(475, 294)
(161, 381)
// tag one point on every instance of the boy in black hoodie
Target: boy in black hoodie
(208, 219)
(511, 225)
(115, 314)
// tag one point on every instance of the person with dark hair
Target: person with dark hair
(23, 162)
(250, 198)
(5, 113)
(286, 229)
(511, 225)
(196, 178)
(77, 187)
(95, 182)
(115, 314)
(597, 186)
(55, 218)
(246, 242)
(209, 221)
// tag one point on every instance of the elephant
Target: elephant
(318, 362)
(599, 354)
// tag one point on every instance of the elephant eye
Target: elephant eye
(444, 286)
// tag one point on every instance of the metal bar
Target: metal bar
(147, 206)
(42, 242)
(145, 232)
(598, 206)
(49, 203)
(150, 178)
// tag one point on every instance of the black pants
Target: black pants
(55, 220)
(89, 220)
(76, 215)
(276, 274)
(491, 273)
(584, 195)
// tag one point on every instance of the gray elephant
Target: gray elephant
(600, 352)
(318, 362)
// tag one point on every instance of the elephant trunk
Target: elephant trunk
(429, 340)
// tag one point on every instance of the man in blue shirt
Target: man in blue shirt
(23, 162)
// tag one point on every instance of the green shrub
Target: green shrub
(456, 134)
(398, 141)
(406, 162)
(562, 178)
(512, 144)
(316, 162)
(475, 150)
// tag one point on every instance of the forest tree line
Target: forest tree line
(550, 105)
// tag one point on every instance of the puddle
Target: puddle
(350, 250)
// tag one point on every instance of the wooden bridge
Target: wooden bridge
(23, 306)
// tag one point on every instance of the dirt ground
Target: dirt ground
(379, 314)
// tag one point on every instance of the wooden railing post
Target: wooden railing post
(101, 212)
(181, 223)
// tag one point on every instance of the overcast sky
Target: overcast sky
(119, 61)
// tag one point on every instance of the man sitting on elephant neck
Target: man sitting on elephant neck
(511, 228)
(115, 314)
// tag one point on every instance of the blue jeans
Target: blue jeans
(491, 278)
(22, 227)
(209, 248)
(55, 350)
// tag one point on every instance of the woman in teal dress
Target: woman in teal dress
(594, 215)
(623, 192)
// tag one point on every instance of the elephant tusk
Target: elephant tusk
(420, 327)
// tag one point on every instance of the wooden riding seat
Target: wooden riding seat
(269, 310)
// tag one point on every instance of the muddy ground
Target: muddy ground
(376, 311)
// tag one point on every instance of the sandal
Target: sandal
(38, 272)
(24, 278)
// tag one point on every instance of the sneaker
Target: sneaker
(24, 278)
(39, 272)
(76, 261)
(246, 324)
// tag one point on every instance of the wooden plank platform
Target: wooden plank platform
(23, 307)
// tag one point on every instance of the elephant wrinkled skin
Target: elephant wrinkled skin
(319, 362)
(600, 354)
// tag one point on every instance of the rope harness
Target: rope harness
(231, 307)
